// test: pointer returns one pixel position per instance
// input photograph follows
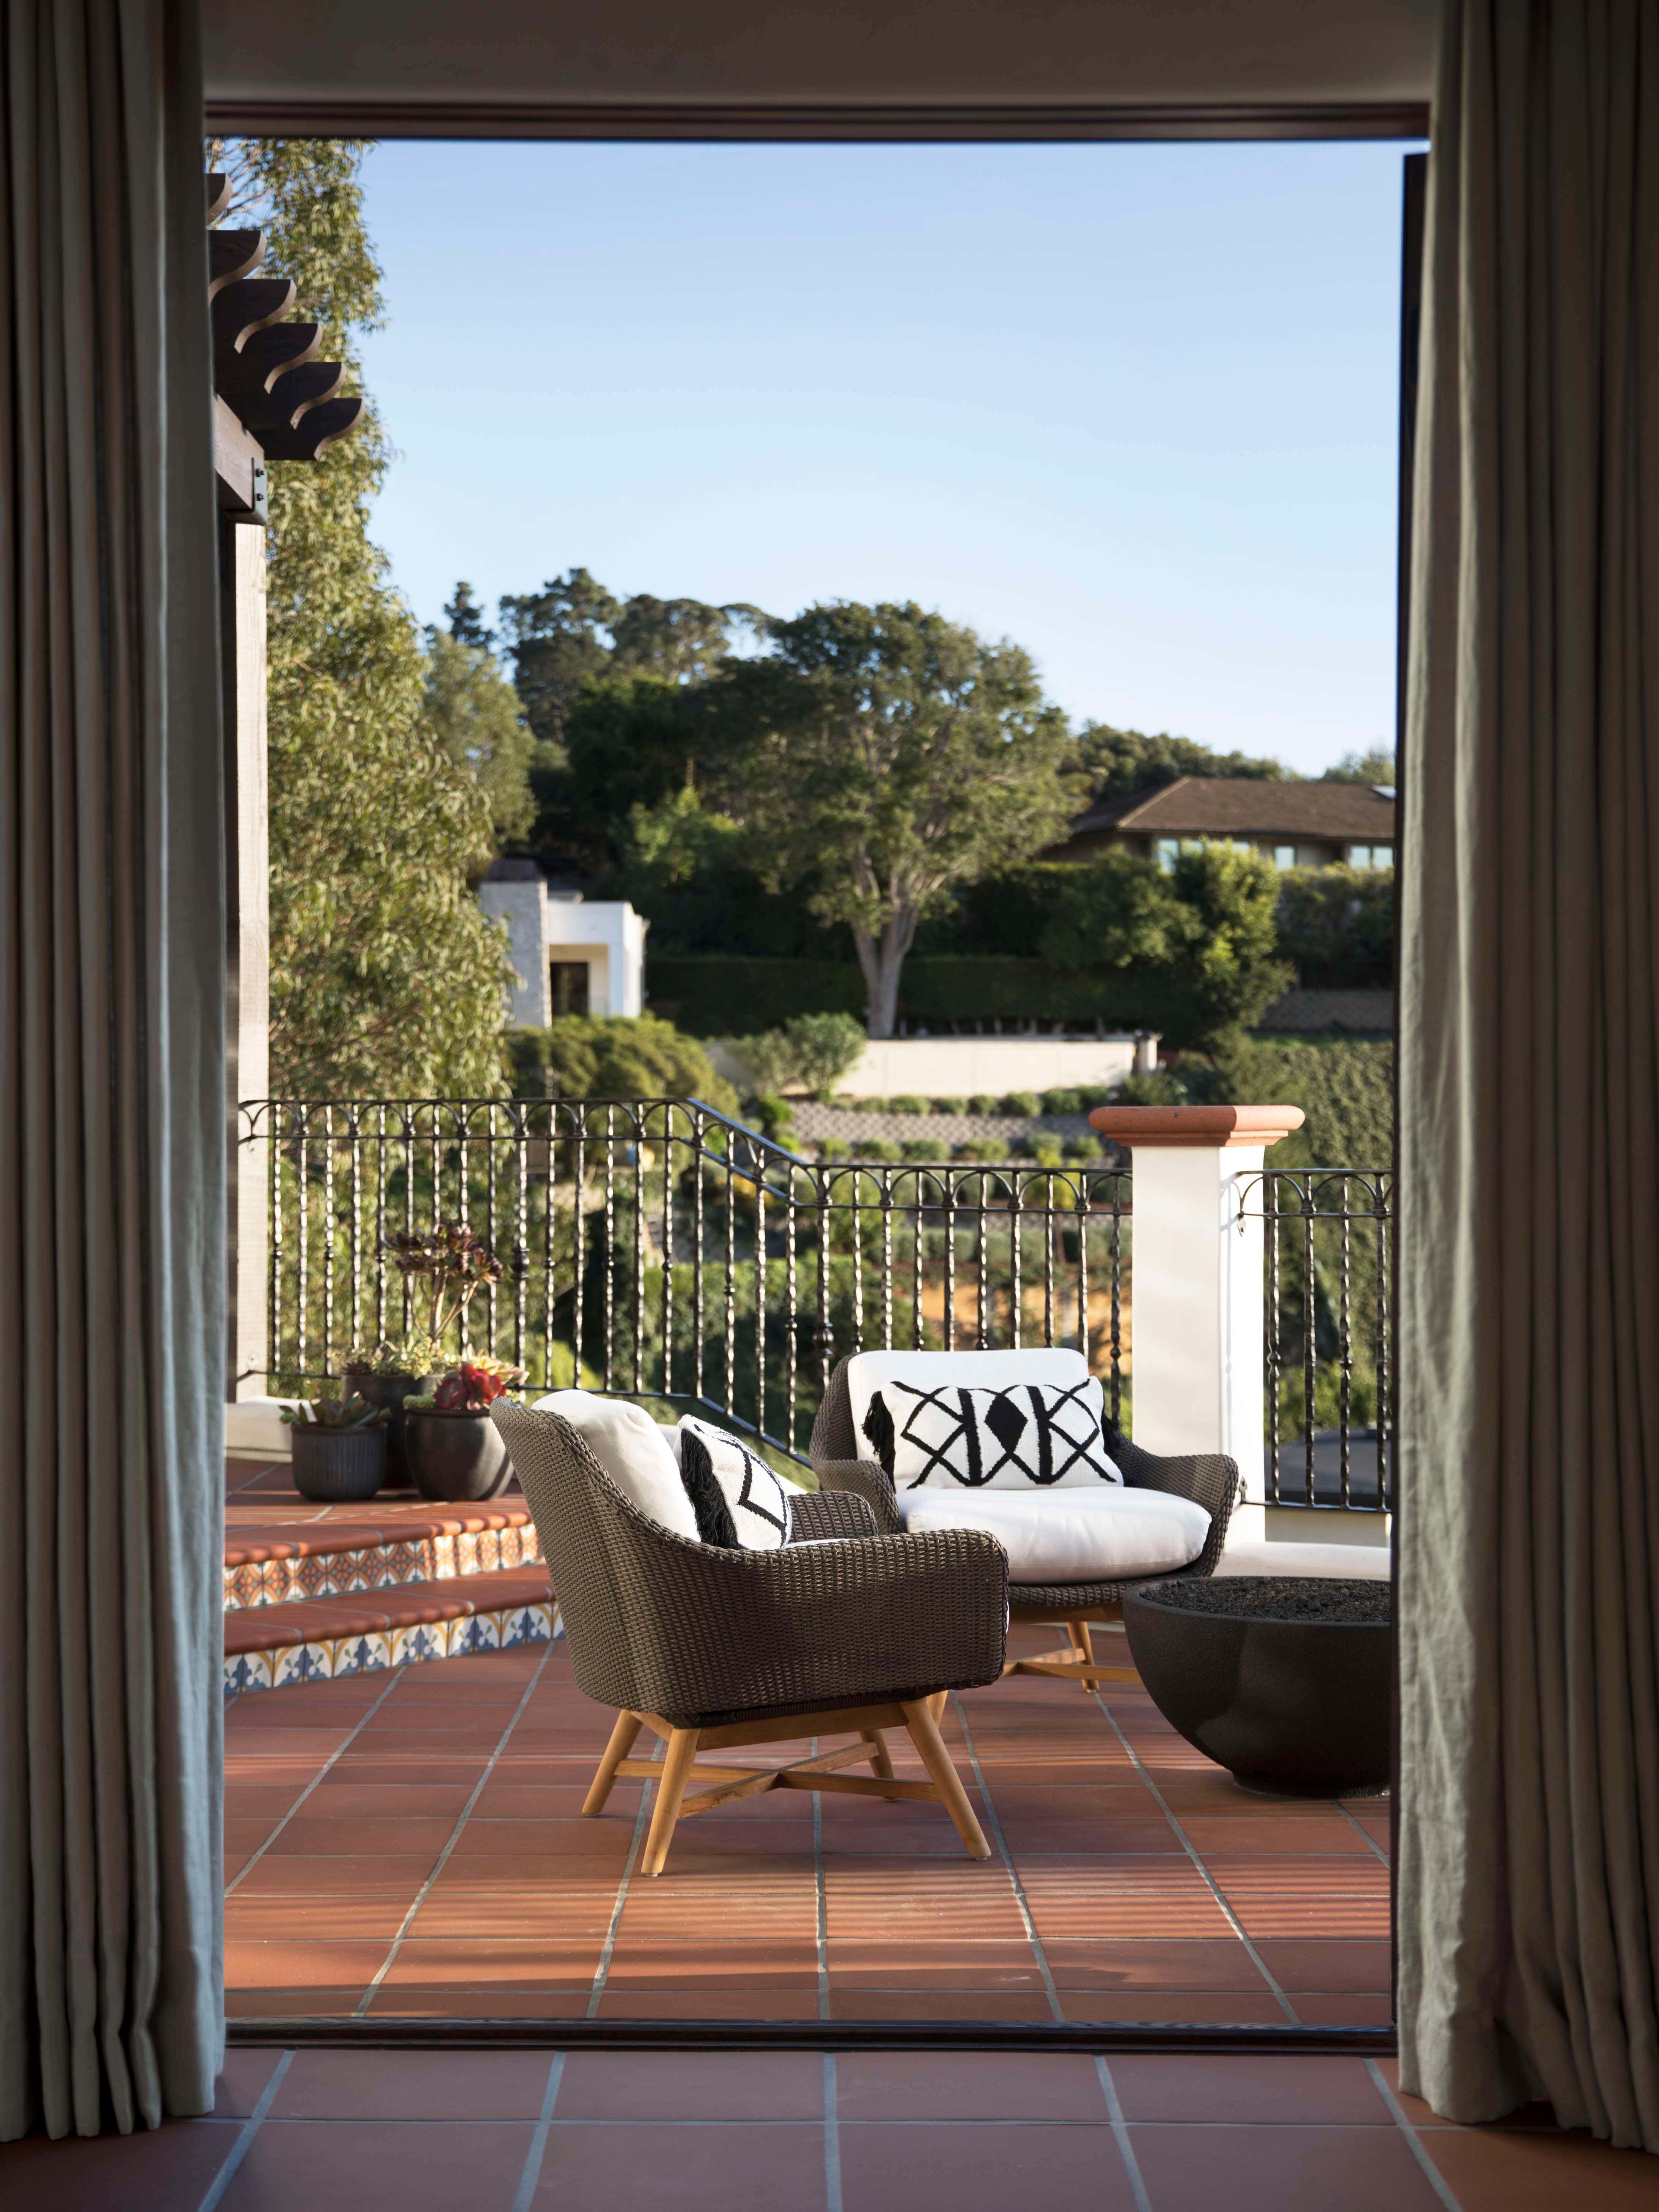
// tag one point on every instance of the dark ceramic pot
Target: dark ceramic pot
(336, 1467)
(459, 1458)
(390, 1391)
(1286, 1680)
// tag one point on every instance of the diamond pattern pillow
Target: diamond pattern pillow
(1027, 1435)
(739, 1502)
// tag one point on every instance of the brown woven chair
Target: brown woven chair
(1210, 1478)
(713, 1648)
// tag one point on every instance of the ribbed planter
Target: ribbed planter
(456, 1458)
(1283, 1679)
(390, 1391)
(337, 1467)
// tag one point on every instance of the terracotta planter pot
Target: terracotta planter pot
(390, 1391)
(456, 1458)
(1284, 1679)
(337, 1467)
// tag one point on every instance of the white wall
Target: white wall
(956, 1067)
(606, 934)
(523, 907)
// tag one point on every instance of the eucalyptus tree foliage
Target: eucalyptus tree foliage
(475, 715)
(386, 978)
(880, 756)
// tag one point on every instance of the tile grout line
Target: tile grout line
(250, 2127)
(531, 2175)
(1121, 2134)
(320, 1775)
(831, 2134)
(1371, 1842)
(1436, 2179)
(1208, 1879)
(1017, 1886)
(822, 1897)
(608, 1949)
(442, 1859)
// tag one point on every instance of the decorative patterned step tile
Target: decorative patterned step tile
(288, 1563)
(271, 1647)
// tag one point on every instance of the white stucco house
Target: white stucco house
(571, 955)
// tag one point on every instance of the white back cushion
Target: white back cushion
(976, 1370)
(1106, 1534)
(633, 1450)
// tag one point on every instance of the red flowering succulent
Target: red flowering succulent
(467, 1389)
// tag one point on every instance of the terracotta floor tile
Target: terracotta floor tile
(903, 2085)
(316, 1919)
(952, 2168)
(1501, 2170)
(1338, 1965)
(691, 2084)
(292, 1874)
(387, 1801)
(1231, 1834)
(151, 2171)
(1154, 1899)
(1229, 2007)
(243, 1837)
(506, 1961)
(855, 1967)
(395, 2001)
(314, 1836)
(1191, 2086)
(939, 2004)
(1342, 2008)
(1071, 1837)
(412, 2085)
(376, 2165)
(330, 1968)
(694, 2169)
(551, 1800)
(397, 1766)
(256, 1800)
(242, 2081)
(1111, 1965)
(536, 1850)
(1267, 2168)
(291, 2004)
(647, 2003)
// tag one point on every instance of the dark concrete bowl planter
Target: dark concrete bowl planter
(390, 1391)
(458, 1458)
(1285, 1681)
(337, 1467)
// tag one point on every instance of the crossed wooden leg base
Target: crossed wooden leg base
(678, 1767)
(1073, 1662)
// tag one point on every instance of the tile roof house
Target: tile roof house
(1294, 825)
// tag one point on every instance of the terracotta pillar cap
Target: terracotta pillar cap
(1217, 1128)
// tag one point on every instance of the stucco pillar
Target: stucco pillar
(1197, 1341)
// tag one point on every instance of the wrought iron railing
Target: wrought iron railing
(656, 1248)
(1328, 1337)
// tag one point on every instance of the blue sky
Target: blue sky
(1133, 407)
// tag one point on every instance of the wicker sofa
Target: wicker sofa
(714, 1649)
(1209, 1478)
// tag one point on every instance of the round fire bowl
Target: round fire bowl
(1284, 1679)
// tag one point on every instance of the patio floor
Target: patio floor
(409, 1843)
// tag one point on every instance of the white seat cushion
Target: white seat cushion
(974, 1371)
(634, 1450)
(1106, 1534)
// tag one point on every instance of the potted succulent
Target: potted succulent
(454, 1449)
(339, 1448)
(447, 1265)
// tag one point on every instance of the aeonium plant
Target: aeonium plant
(471, 1386)
(352, 1413)
(408, 1355)
(455, 1263)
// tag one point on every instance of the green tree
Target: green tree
(1337, 925)
(879, 755)
(558, 639)
(681, 640)
(605, 1056)
(386, 979)
(473, 711)
(1119, 762)
(1375, 767)
(466, 619)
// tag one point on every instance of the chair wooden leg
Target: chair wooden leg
(880, 1760)
(1085, 1643)
(676, 1772)
(628, 1726)
(925, 1734)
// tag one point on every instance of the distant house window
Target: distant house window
(1370, 856)
(1167, 848)
(1284, 856)
(570, 979)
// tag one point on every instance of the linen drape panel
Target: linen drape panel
(112, 1075)
(1528, 1874)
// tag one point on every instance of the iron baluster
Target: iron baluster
(1346, 1350)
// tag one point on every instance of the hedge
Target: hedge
(711, 994)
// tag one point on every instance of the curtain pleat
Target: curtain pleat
(1528, 1875)
(112, 1071)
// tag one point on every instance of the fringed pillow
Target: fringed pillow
(1045, 1435)
(739, 1502)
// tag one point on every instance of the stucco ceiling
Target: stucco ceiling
(1189, 67)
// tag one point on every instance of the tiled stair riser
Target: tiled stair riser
(379, 1566)
(373, 1651)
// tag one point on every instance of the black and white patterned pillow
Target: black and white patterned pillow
(1043, 1435)
(739, 1502)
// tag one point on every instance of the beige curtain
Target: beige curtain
(111, 1234)
(1528, 1904)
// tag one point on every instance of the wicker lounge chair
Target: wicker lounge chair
(714, 1649)
(1210, 1480)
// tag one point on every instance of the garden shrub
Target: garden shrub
(1062, 1102)
(1025, 1103)
(926, 1148)
(905, 1103)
